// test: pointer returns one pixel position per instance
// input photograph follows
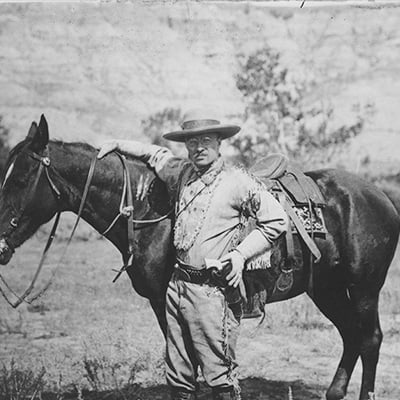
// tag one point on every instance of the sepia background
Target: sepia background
(326, 82)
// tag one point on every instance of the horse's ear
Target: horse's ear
(44, 128)
(32, 131)
(39, 135)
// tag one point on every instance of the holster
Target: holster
(232, 294)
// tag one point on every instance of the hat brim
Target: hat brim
(223, 131)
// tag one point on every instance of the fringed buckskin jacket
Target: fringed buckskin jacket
(212, 210)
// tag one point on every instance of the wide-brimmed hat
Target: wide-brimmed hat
(197, 122)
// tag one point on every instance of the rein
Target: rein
(45, 163)
(126, 205)
(126, 209)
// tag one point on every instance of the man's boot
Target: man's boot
(182, 395)
(226, 394)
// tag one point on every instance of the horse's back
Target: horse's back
(363, 222)
(342, 188)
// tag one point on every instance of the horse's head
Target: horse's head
(26, 197)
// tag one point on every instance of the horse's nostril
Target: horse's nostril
(14, 222)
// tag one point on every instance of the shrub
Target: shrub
(160, 122)
(17, 383)
(277, 120)
(4, 147)
(108, 367)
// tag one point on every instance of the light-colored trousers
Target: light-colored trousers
(202, 332)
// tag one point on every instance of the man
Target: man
(212, 201)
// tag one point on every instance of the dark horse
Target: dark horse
(362, 222)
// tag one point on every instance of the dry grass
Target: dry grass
(20, 384)
(90, 334)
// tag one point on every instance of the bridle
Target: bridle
(44, 164)
(126, 210)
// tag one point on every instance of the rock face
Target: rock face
(97, 70)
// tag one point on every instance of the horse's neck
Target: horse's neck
(72, 162)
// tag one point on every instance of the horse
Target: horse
(363, 228)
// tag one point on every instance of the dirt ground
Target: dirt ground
(96, 72)
(85, 323)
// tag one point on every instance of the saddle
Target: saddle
(300, 188)
(303, 201)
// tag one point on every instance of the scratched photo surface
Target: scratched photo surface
(129, 71)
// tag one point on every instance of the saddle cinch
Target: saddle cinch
(303, 202)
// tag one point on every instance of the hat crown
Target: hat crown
(198, 119)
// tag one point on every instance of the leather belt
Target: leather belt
(187, 273)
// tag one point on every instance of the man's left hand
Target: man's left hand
(237, 261)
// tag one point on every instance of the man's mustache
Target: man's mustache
(199, 152)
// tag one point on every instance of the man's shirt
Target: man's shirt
(211, 208)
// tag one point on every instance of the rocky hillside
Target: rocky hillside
(96, 70)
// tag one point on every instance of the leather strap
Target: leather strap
(127, 200)
(289, 233)
(192, 275)
(303, 233)
(27, 292)
(45, 162)
(300, 228)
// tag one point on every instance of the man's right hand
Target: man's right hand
(106, 148)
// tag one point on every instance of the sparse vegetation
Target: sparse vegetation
(104, 341)
(160, 122)
(4, 147)
(277, 119)
(18, 383)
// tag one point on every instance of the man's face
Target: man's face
(203, 149)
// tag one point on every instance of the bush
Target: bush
(20, 384)
(161, 122)
(277, 120)
(108, 367)
(4, 147)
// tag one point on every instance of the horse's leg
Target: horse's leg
(336, 306)
(158, 307)
(366, 303)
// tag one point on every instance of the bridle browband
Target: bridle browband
(126, 210)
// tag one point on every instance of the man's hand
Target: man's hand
(106, 148)
(237, 261)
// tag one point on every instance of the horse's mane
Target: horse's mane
(12, 154)
(66, 146)
(90, 148)
(17, 149)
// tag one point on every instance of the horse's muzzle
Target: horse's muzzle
(6, 252)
